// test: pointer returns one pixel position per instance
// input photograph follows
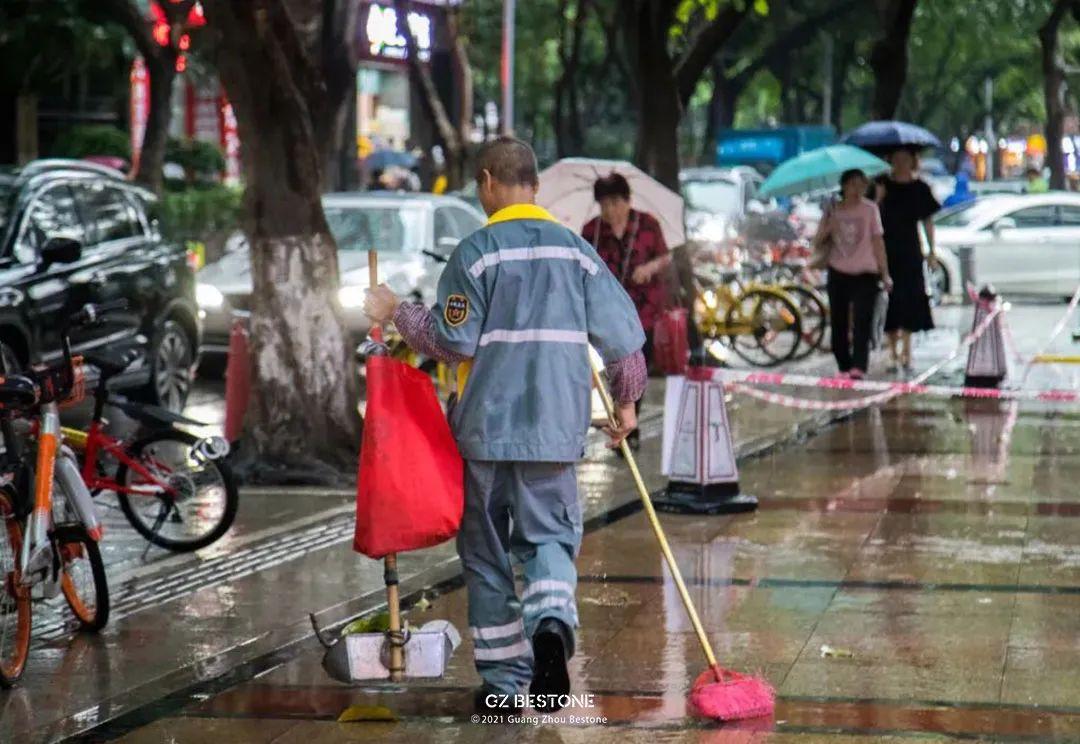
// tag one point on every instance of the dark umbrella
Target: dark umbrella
(891, 135)
(383, 159)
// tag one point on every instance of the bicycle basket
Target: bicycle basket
(60, 383)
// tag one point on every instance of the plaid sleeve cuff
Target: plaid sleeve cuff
(414, 323)
(628, 377)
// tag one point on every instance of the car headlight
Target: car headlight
(351, 297)
(208, 296)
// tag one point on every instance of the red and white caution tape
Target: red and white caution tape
(1057, 330)
(743, 381)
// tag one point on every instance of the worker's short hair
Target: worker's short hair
(510, 161)
(614, 184)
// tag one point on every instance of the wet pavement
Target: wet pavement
(913, 572)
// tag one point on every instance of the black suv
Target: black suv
(73, 232)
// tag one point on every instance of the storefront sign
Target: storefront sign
(381, 40)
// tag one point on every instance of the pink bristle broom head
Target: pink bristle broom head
(730, 696)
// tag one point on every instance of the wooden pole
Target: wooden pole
(390, 574)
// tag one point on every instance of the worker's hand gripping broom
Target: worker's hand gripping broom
(717, 692)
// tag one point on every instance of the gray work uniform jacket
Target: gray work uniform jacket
(524, 297)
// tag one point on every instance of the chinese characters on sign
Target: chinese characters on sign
(381, 37)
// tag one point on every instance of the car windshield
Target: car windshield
(712, 196)
(390, 229)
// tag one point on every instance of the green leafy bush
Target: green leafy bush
(197, 158)
(200, 217)
(85, 140)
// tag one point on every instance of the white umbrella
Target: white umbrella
(566, 190)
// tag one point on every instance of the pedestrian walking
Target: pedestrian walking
(906, 201)
(518, 305)
(852, 235)
(632, 245)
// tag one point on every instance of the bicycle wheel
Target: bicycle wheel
(83, 576)
(815, 318)
(15, 613)
(188, 502)
(775, 327)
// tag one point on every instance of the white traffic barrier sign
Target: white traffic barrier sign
(698, 453)
(986, 365)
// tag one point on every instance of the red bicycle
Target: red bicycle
(175, 489)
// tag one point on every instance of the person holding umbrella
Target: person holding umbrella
(631, 244)
(856, 262)
(906, 201)
(519, 303)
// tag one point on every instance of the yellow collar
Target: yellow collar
(521, 212)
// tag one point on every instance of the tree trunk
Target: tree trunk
(161, 71)
(889, 57)
(569, 134)
(1054, 91)
(451, 138)
(160, 64)
(332, 139)
(722, 106)
(463, 75)
(845, 57)
(302, 413)
(656, 150)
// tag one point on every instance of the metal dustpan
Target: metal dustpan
(356, 657)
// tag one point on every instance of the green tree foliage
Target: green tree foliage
(956, 46)
(45, 42)
(601, 73)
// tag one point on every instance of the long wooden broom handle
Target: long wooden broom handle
(643, 492)
(393, 600)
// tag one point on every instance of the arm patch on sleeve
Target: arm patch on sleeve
(456, 310)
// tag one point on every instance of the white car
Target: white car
(1021, 244)
(414, 234)
(717, 199)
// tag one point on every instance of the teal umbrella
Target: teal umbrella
(820, 169)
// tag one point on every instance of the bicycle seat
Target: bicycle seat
(18, 393)
(112, 363)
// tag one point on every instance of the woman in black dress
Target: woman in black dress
(905, 201)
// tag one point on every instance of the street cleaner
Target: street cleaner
(519, 302)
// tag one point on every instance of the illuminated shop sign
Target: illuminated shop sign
(382, 40)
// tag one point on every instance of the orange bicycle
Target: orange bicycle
(48, 545)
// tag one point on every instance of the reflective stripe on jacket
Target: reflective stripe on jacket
(524, 297)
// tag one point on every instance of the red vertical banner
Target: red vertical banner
(230, 143)
(139, 109)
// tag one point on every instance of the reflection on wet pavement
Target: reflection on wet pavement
(913, 572)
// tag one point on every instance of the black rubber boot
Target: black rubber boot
(551, 679)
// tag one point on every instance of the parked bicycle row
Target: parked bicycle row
(175, 489)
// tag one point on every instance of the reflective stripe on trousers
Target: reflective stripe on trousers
(529, 510)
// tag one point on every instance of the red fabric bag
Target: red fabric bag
(671, 345)
(409, 492)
